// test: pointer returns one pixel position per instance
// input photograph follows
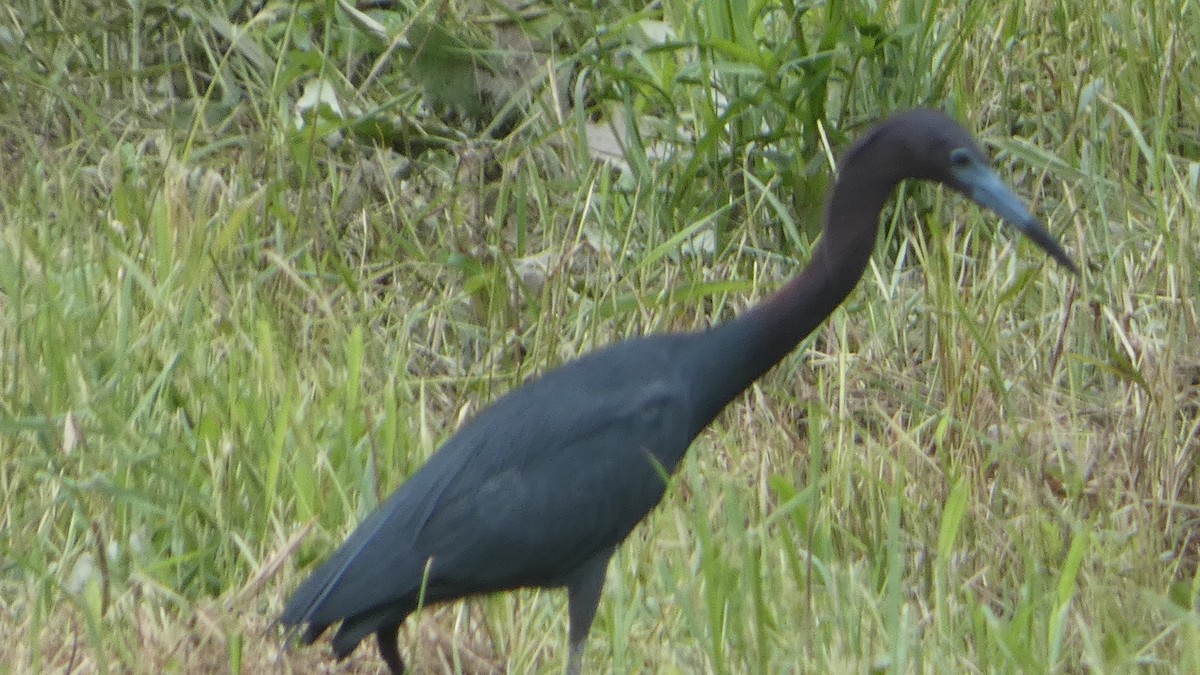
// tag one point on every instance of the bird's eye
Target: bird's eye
(960, 158)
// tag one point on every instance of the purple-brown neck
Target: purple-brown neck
(739, 352)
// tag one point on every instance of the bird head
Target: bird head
(928, 145)
(949, 155)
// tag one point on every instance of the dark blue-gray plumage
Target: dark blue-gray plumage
(540, 488)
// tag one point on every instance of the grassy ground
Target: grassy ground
(226, 335)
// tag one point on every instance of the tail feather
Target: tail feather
(367, 568)
(356, 628)
(312, 632)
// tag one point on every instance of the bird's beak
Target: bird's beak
(985, 187)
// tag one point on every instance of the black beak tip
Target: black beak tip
(1063, 259)
(1049, 244)
(1069, 264)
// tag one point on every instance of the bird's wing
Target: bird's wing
(529, 524)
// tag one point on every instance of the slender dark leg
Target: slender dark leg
(583, 596)
(387, 637)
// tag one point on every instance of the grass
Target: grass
(226, 336)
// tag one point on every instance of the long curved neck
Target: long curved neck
(742, 350)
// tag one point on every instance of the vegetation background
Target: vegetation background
(258, 259)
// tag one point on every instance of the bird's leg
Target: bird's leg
(389, 649)
(575, 658)
(583, 596)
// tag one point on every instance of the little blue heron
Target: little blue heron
(540, 488)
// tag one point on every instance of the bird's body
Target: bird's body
(524, 493)
(539, 489)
